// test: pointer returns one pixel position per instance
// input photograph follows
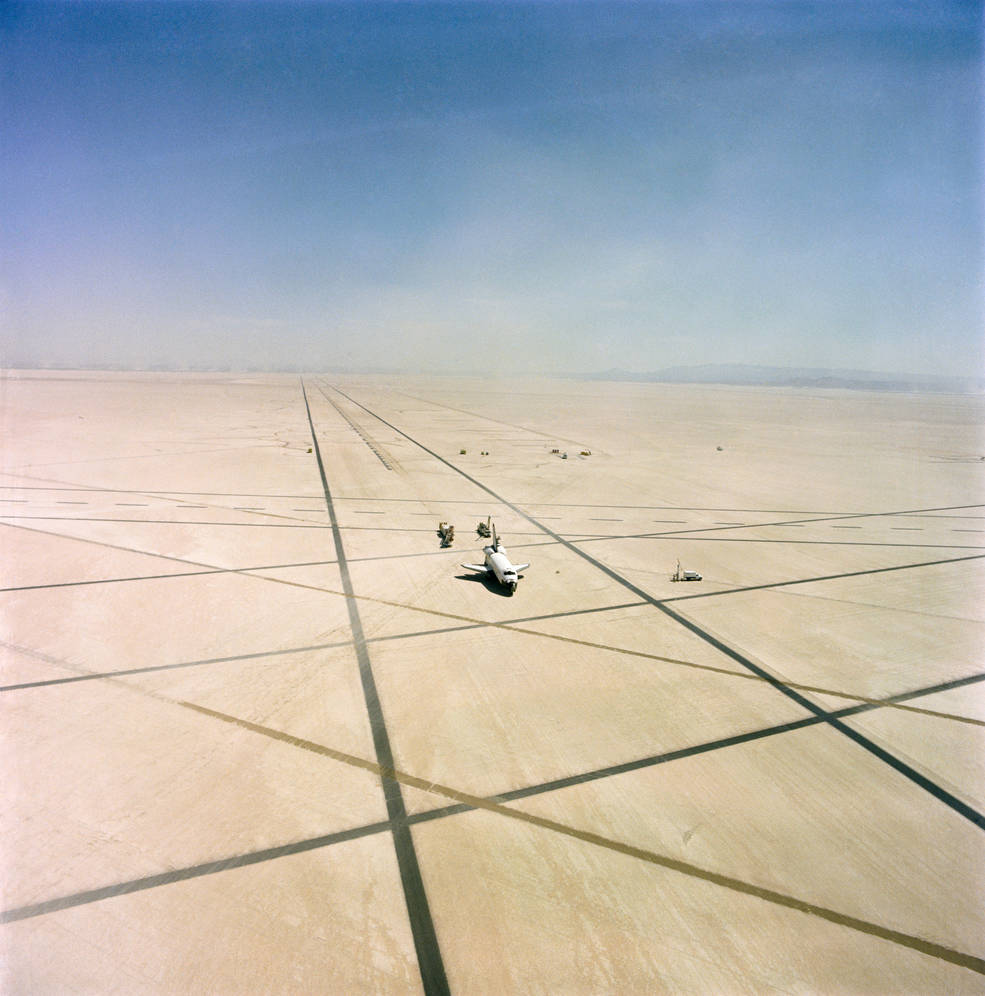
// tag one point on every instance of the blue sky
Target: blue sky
(547, 186)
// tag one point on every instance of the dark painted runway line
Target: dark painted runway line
(175, 666)
(898, 765)
(741, 738)
(908, 529)
(464, 803)
(387, 529)
(183, 874)
(418, 529)
(917, 513)
(205, 522)
(669, 521)
(968, 530)
(130, 504)
(409, 501)
(953, 518)
(422, 925)
(677, 537)
(826, 577)
(71, 503)
(874, 749)
(155, 492)
(648, 762)
(79, 584)
(166, 522)
(485, 418)
(606, 520)
(469, 624)
(287, 651)
(127, 549)
(824, 515)
(432, 515)
(684, 533)
(359, 431)
(513, 626)
(360, 512)
(548, 532)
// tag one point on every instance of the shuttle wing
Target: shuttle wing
(476, 567)
(520, 567)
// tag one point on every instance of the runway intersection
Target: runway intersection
(265, 735)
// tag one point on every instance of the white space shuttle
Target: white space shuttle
(498, 564)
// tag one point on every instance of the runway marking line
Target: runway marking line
(690, 538)
(375, 449)
(429, 960)
(651, 857)
(914, 513)
(888, 758)
(471, 622)
(570, 540)
(170, 522)
(688, 869)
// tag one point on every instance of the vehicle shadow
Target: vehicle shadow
(490, 583)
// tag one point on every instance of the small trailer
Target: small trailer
(483, 527)
(447, 533)
(682, 575)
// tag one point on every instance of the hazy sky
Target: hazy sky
(542, 186)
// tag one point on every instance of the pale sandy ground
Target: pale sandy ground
(192, 794)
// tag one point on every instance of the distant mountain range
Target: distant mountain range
(852, 380)
(739, 374)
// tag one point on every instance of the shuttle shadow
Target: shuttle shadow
(490, 583)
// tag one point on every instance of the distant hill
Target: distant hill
(853, 380)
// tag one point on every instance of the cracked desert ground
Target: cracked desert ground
(262, 734)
